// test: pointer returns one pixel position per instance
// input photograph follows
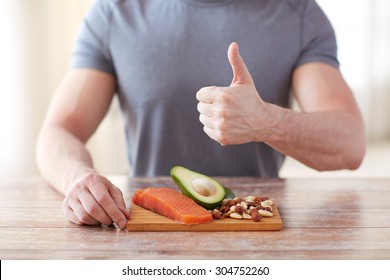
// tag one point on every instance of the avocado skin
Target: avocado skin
(229, 193)
(184, 190)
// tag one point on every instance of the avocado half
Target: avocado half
(204, 190)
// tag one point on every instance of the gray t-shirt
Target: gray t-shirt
(163, 51)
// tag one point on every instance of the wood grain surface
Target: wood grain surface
(332, 218)
(142, 219)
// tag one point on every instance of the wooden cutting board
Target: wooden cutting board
(142, 219)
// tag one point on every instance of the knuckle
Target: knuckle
(87, 178)
(102, 199)
(76, 188)
(81, 185)
(225, 98)
(221, 126)
(70, 199)
(221, 137)
(92, 210)
(66, 207)
(223, 114)
(91, 180)
(91, 176)
(224, 142)
(84, 217)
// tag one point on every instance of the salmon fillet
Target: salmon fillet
(172, 204)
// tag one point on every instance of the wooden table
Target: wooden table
(323, 219)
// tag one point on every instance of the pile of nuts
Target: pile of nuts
(250, 208)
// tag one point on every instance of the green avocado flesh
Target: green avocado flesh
(204, 190)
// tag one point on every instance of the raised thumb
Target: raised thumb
(241, 74)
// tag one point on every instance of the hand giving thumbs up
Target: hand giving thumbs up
(234, 114)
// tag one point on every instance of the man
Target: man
(167, 62)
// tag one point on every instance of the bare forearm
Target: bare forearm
(62, 158)
(79, 105)
(321, 140)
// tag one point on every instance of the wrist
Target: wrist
(276, 120)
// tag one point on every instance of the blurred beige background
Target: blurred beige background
(36, 42)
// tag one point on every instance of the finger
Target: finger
(205, 109)
(241, 74)
(108, 204)
(73, 218)
(210, 132)
(117, 195)
(213, 134)
(71, 215)
(91, 206)
(206, 94)
(83, 216)
(206, 121)
(126, 213)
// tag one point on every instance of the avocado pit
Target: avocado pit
(204, 187)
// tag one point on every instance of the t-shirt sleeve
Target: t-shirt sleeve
(318, 37)
(91, 49)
